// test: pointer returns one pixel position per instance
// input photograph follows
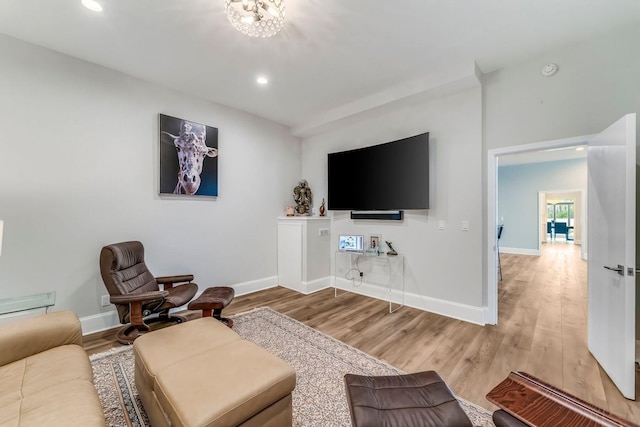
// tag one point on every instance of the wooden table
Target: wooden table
(536, 403)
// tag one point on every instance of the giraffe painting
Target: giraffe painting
(188, 141)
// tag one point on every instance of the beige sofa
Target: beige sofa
(45, 375)
(201, 373)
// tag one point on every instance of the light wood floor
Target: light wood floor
(541, 330)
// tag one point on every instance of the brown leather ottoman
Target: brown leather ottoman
(421, 400)
(203, 374)
(214, 300)
(504, 419)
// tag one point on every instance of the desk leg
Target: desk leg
(335, 273)
(401, 271)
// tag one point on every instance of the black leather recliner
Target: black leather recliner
(136, 292)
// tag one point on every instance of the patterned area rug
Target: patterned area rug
(319, 360)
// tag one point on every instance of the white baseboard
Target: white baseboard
(316, 285)
(364, 288)
(488, 316)
(108, 320)
(252, 286)
(307, 288)
(520, 251)
(465, 312)
(451, 309)
(99, 322)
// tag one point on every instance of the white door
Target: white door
(612, 236)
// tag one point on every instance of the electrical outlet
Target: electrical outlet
(105, 300)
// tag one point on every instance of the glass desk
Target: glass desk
(383, 276)
(30, 302)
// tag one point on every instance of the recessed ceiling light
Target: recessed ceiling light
(262, 80)
(549, 70)
(579, 148)
(92, 5)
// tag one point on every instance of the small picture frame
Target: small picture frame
(374, 242)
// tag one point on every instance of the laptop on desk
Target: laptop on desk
(351, 243)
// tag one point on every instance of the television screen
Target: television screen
(389, 176)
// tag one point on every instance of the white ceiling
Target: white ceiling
(333, 58)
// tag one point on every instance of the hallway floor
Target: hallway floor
(545, 298)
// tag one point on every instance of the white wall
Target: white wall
(78, 170)
(442, 268)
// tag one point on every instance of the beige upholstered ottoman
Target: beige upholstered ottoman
(201, 373)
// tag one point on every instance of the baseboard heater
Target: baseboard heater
(382, 215)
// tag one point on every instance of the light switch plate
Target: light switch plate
(442, 224)
(464, 226)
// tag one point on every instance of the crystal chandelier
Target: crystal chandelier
(256, 18)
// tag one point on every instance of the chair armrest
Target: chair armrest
(164, 280)
(142, 297)
(34, 335)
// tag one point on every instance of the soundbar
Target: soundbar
(383, 215)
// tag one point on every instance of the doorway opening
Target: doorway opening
(563, 218)
(611, 307)
(493, 219)
(560, 219)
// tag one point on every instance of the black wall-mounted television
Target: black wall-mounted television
(391, 176)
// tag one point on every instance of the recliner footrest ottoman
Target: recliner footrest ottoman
(212, 301)
(414, 400)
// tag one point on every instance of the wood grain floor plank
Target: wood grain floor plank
(580, 371)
